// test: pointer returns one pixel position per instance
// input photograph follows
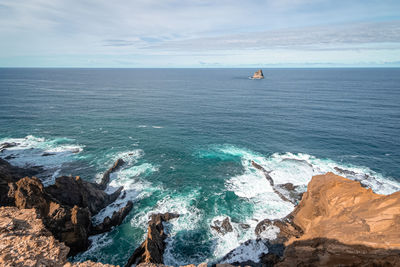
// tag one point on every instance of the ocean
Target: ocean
(188, 137)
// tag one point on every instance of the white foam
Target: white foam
(135, 187)
(157, 127)
(29, 152)
(252, 186)
(249, 251)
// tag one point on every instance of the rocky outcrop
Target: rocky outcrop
(258, 75)
(25, 241)
(116, 219)
(66, 207)
(68, 224)
(339, 222)
(106, 176)
(11, 174)
(72, 191)
(152, 249)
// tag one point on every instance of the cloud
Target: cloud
(195, 32)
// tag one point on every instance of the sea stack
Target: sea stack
(258, 75)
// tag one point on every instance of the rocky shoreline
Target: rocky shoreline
(338, 221)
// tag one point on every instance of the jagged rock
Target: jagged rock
(106, 176)
(116, 219)
(72, 191)
(70, 225)
(152, 249)
(11, 174)
(25, 242)
(258, 75)
(223, 226)
(244, 225)
(29, 193)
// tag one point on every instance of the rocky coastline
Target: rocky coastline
(336, 222)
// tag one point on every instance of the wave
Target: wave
(50, 154)
(253, 187)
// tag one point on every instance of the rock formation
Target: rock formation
(72, 191)
(258, 75)
(10, 174)
(24, 241)
(152, 249)
(66, 207)
(339, 222)
(106, 176)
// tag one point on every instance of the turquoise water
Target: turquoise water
(189, 135)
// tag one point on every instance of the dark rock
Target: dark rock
(292, 192)
(116, 219)
(287, 228)
(244, 226)
(266, 174)
(73, 191)
(152, 249)
(46, 154)
(7, 145)
(222, 227)
(106, 176)
(345, 172)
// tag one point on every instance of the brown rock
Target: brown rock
(152, 249)
(258, 75)
(24, 240)
(338, 208)
(11, 174)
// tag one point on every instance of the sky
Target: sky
(199, 33)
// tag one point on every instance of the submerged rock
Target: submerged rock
(152, 249)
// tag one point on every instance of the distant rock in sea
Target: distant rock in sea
(258, 75)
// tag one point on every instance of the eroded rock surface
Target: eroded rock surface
(339, 222)
(223, 226)
(152, 249)
(116, 219)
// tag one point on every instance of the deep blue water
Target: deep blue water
(191, 133)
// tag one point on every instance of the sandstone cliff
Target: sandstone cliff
(340, 223)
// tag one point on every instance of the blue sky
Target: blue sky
(199, 33)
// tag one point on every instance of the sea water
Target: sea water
(188, 137)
